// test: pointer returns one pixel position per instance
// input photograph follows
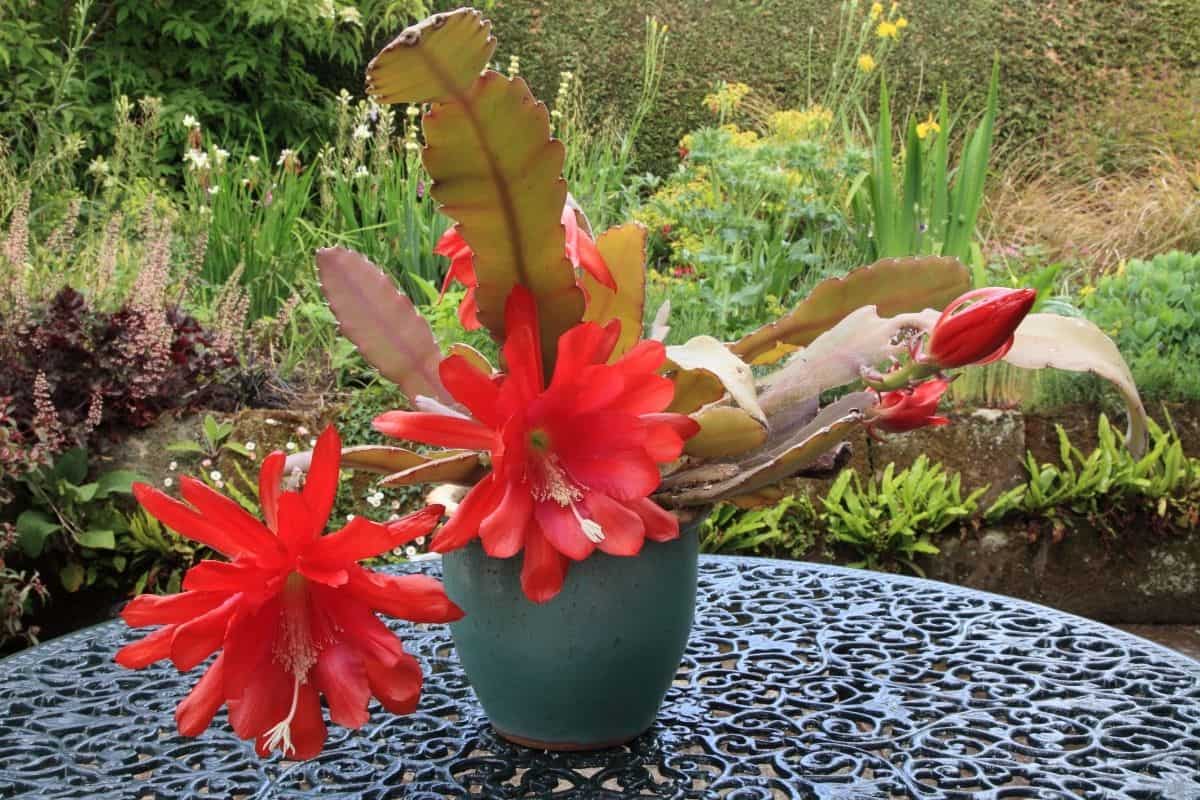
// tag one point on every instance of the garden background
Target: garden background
(168, 169)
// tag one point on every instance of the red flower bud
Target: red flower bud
(908, 409)
(981, 333)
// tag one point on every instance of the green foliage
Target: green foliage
(1109, 475)
(1057, 54)
(215, 443)
(236, 64)
(891, 518)
(752, 219)
(787, 527)
(1152, 310)
(70, 519)
(931, 209)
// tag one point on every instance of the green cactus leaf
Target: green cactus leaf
(893, 286)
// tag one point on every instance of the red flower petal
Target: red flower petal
(581, 249)
(183, 520)
(682, 424)
(468, 312)
(661, 525)
(472, 388)
(341, 676)
(222, 576)
(249, 642)
(250, 534)
(357, 624)
(522, 347)
(298, 526)
(361, 538)
(163, 609)
(270, 478)
(308, 727)
(197, 639)
(195, 712)
(627, 476)
(147, 650)
(436, 429)
(417, 598)
(503, 531)
(580, 346)
(663, 444)
(543, 569)
(320, 485)
(624, 531)
(397, 687)
(264, 702)
(464, 524)
(560, 527)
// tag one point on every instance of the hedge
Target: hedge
(1055, 54)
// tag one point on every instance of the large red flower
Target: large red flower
(580, 250)
(292, 613)
(573, 463)
(977, 328)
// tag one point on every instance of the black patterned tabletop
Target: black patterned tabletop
(800, 681)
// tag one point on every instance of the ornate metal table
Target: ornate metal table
(801, 681)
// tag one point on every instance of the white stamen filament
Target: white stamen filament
(280, 736)
(591, 528)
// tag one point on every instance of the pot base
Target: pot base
(563, 747)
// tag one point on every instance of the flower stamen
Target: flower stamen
(280, 736)
(591, 528)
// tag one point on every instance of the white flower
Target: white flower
(362, 172)
(326, 10)
(349, 517)
(410, 551)
(312, 442)
(395, 505)
(196, 159)
(214, 189)
(220, 155)
(174, 465)
(290, 445)
(343, 97)
(98, 166)
(168, 482)
(375, 500)
(250, 446)
(252, 159)
(245, 181)
(206, 463)
(215, 475)
(420, 540)
(411, 146)
(413, 110)
(284, 155)
(190, 122)
(350, 15)
(361, 131)
(301, 430)
(270, 421)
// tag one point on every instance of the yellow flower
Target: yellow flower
(901, 23)
(866, 63)
(1086, 290)
(887, 30)
(930, 125)
(876, 10)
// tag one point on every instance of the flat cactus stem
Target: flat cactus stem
(495, 168)
(893, 286)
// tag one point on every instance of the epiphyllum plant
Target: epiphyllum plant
(291, 614)
(571, 328)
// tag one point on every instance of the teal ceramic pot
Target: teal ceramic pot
(590, 668)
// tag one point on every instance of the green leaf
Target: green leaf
(83, 494)
(185, 447)
(117, 481)
(72, 576)
(33, 528)
(71, 466)
(97, 539)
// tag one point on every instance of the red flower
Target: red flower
(908, 409)
(580, 250)
(292, 613)
(981, 333)
(573, 464)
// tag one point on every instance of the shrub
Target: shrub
(1152, 311)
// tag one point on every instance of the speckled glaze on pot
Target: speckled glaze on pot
(590, 668)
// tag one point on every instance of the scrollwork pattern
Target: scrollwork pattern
(800, 681)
